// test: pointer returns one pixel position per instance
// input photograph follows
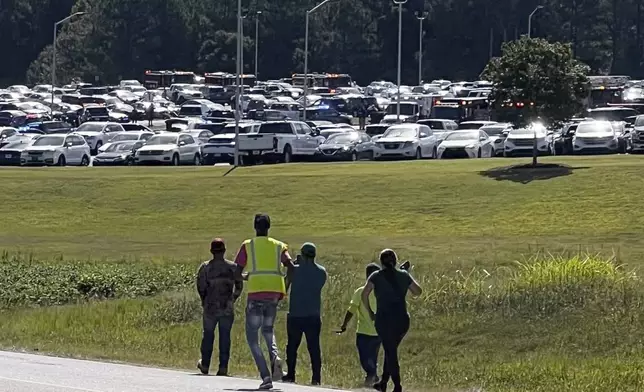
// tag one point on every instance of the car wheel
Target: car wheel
(372, 156)
(354, 156)
(175, 160)
(419, 154)
(61, 161)
(288, 155)
(130, 162)
(85, 161)
(197, 160)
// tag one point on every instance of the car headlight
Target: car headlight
(470, 146)
(408, 144)
(346, 148)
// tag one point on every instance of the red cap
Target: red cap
(218, 245)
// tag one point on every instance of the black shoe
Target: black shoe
(223, 372)
(398, 388)
(380, 386)
(316, 383)
(202, 369)
(288, 378)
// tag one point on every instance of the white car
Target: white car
(97, 133)
(465, 125)
(221, 148)
(520, 142)
(126, 136)
(169, 148)
(407, 141)
(497, 132)
(60, 150)
(595, 137)
(466, 144)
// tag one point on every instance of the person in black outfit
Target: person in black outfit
(390, 286)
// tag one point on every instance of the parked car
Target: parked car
(466, 144)
(60, 150)
(126, 136)
(169, 148)
(118, 153)
(97, 133)
(407, 141)
(595, 137)
(497, 133)
(347, 146)
(94, 113)
(11, 152)
(520, 142)
(221, 148)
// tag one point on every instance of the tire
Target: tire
(354, 157)
(197, 160)
(175, 160)
(372, 156)
(479, 154)
(130, 162)
(506, 155)
(84, 161)
(419, 154)
(61, 161)
(287, 156)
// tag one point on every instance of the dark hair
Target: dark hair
(388, 259)
(371, 268)
(262, 222)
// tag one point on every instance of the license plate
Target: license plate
(8, 156)
(217, 155)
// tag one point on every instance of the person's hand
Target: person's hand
(342, 330)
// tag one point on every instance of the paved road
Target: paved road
(36, 373)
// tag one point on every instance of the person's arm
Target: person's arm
(241, 260)
(414, 287)
(347, 318)
(287, 261)
(368, 288)
(202, 282)
(239, 283)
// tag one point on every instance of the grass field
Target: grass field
(98, 263)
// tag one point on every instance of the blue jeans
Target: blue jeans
(210, 322)
(368, 348)
(260, 314)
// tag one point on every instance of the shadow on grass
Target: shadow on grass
(525, 174)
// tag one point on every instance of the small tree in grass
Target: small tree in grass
(543, 77)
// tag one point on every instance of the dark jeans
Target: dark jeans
(391, 328)
(310, 327)
(208, 339)
(368, 348)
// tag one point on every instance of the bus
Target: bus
(225, 79)
(331, 81)
(158, 79)
(462, 109)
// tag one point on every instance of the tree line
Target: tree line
(118, 39)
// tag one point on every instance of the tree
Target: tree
(543, 77)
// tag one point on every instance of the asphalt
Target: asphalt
(36, 373)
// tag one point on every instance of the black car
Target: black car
(562, 141)
(10, 153)
(327, 114)
(118, 154)
(346, 146)
(52, 127)
(12, 118)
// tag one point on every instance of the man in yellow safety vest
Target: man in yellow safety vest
(264, 259)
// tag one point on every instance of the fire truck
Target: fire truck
(159, 79)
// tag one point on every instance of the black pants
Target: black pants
(391, 328)
(210, 322)
(368, 347)
(310, 327)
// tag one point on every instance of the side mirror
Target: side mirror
(68, 144)
(315, 132)
(181, 144)
(572, 132)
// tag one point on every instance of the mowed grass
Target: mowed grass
(565, 322)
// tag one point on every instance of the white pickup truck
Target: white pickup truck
(280, 141)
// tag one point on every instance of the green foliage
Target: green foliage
(27, 281)
(539, 72)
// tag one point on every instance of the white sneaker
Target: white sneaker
(266, 384)
(278, 371)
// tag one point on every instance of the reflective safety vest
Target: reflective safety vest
(265, 256)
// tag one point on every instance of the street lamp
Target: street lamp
(238, 81)
(53, 60)
(420, 16)
(306, 53)
(257, 14)
(241, 56)
(400, 4)
(530, 20)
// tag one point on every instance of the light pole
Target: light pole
(53, 60)
(238, 81)
(257, 14)
(400, 4)
(306, 53)
(241, 56)
(530, 20)
(420, 16)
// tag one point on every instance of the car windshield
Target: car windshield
(162, 139)
(125, 136)
(612, 114)
(116, 147)
(343, 138)
(330, 132)
(494, 131)
(50, 141)
(90, 127)
(594, 128)
(401, 132)
(639, 121)
(466, 135)
(406, 109)
(447, 112)
(469, 126)
(190, 111)
(526, 131)
(97, 111)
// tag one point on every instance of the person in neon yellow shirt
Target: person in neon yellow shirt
(367, 340)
